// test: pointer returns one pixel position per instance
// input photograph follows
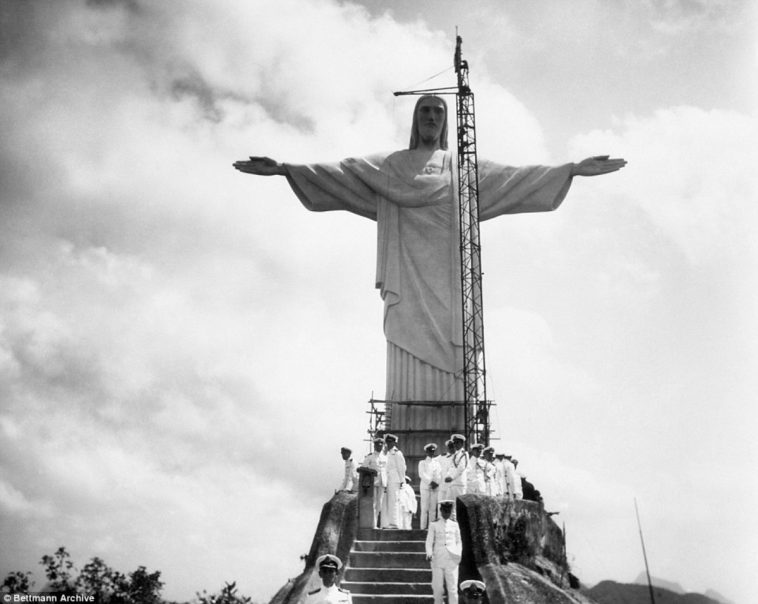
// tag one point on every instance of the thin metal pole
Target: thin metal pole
(644, 554)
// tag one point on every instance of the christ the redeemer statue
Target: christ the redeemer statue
(412, 195)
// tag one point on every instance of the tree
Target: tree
(228, 595)
(17, 583)
(99, 580)
(108, 586)
(143, 587)
(59, 571)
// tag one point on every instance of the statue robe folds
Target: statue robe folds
(418, 250)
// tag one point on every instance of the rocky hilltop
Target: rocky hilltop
(514, 547)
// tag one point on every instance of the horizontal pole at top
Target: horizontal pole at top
(445, 90)
(429, 403)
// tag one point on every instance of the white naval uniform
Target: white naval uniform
(510, 479)
(429, 470)
(499, 483)
(408, 506)
(329, 595)
(518, 488)
(445, 463)
(350, 479)
(458, 472)
(475, 476)
(443, 544)
(490, 485)
(396, 471)
(378, 461)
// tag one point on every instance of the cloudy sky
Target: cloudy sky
(183, 348)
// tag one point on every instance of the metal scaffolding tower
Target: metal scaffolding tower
(474, 370)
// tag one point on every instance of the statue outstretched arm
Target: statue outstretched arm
(597, 165)
(262, 166)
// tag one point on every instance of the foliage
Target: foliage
(17, 583)
(107, 585)
(143, 587)
(99, 580)
(95, 579)
(228, 595)
(59, 571)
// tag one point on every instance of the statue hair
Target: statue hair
(414, 127)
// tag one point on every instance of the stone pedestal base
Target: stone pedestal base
(366, 478)
(418, 423)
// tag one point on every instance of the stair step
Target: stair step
(365, 534)
(377, 588)
(391, 599)
(388, 560)
(389, 566)
(388, 575)
(389, 546)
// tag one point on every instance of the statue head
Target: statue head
(426, 105)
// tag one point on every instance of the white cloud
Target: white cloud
(15, 503)
(690, 171)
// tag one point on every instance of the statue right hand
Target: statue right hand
(262, 166)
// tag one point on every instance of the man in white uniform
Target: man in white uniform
(430, 477)
(456, 476)
(509, 478)
(350, 478)
(396, 471)
(499, 482)
(490, 486)
(475, 472)
(473, 591)
(408, 504)
(443, 548)
(328, 567)
(445, 463)
(377, 460)
(518, 487)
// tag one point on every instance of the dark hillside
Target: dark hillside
(610, 592)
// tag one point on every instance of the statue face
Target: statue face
(431, 117)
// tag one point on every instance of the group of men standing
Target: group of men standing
(394, 499)
(442, 478)
(478, 470)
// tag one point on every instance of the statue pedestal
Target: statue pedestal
(366, 478)
(417, 423)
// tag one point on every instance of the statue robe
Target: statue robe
(418, 250)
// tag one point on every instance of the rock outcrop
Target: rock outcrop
(517, 550)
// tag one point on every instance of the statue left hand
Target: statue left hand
(597, 165)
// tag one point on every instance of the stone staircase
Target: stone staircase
(388, 567)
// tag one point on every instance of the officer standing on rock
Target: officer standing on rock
(328, 566)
